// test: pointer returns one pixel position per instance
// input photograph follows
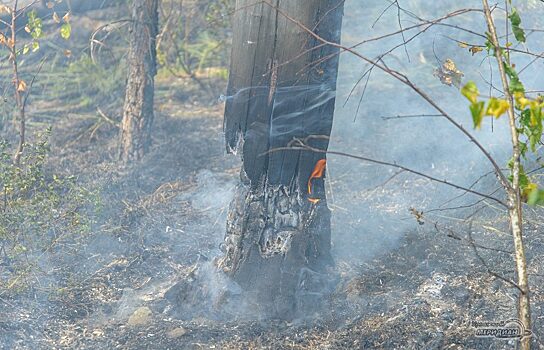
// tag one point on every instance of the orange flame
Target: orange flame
(319, 169)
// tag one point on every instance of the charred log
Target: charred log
(276, 242)
(281, 87)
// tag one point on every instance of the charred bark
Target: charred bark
(138, 112)
(282, 86)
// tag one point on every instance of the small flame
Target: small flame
(313, 200)
(319, 169)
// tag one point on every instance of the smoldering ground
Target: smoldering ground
(396, 283)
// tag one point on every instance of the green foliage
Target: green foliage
(66, 31)
(515, 20)
(92, 83)
(34, 26)
(477, 110)
(515, 84)
(536, 197)
(495, 107)
(470, 91)
(40, 211)
(196, 38)
(529, 125)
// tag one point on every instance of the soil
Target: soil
(163, 220)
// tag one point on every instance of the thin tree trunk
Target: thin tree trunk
(514, 194)
(277, 245)
(138, 109)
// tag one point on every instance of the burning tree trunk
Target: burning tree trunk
(281, 87)
(138, 110)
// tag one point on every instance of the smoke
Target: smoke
(371, 203)
(377, 116)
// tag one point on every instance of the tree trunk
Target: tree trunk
(282, 86)
(138, 109)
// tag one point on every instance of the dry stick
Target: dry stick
(471, 241)
(528, 53)
(33, 80)
(421, 19)
(304, 147)
(380, 59)
(466, 206)
(106, 118)
(514, 195)
(429, 24)
(471, 186)
(400, 26)
(23, 10)
(530, 63)
(94, 41)
(403, 79)
(406, 116)
(489, 270)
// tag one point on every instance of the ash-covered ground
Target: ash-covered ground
(113, 293)
(401, 280)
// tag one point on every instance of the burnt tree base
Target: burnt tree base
(278, 249)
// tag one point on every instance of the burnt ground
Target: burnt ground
(161, 224)
(159, 228)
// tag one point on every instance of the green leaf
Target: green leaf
(66, 31)
(532, 120)
(35, 46)
(536, 197)
(515, 20)
(523, 148)
(34, 25)
(515, 84)
(26, 49)
(470, 91)
(497, 107)
(478, 111)
(523, 178)
(525, 118)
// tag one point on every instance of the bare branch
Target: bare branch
(406, 81)
(301, 146)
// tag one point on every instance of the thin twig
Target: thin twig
(301, 146)
(406, 81)
(489, 270)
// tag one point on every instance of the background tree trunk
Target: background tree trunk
(138, 109)
(282, 86)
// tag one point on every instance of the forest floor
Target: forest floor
(161, 224)
(162, 221)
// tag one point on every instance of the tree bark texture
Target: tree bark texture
(282, 86)
(138, 113)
